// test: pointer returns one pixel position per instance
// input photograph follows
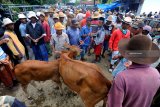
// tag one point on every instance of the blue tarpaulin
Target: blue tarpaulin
(107, 7)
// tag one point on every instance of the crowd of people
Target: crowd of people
(39, 35)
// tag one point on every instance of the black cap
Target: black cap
(89, 19)
(74, 21)
(102, 19)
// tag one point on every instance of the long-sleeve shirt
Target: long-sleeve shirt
(47, 30)
(100, 36)
(35, 31)
(116, 36)
(85, 31)
(134, 87)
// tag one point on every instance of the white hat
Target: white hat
(128, 20)
(42, 14)
(147, 28)
(38, 14)
(32, 15)
(7, 21)
(21, 16)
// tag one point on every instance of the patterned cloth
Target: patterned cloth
(6, 72)
(9, 101)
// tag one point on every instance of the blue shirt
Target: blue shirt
(22, 29)
(2, 54)
(85, 31)
(74, 36)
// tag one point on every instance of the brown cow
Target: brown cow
(33, 70)
(84, 78)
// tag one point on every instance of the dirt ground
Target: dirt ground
(50, 96)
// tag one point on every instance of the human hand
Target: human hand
(6, 40)
(81, 42)
(127, 64)
(115, 57)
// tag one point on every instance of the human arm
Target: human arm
(111, 40)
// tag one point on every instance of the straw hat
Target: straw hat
(7, 21)
(56, 16)
(127, 20)
(96, 15)
(21, 16)
(110, 18)
(61, 14)
(58, 26)
(139, 49)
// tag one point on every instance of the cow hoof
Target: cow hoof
(40, 89)
(29, 98)
(57, 88)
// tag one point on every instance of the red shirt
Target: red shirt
(47, 30)
(117, 35)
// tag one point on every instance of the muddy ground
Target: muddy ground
(50, 96)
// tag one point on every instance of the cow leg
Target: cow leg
(34, 85)
(59, 83)
(24, 88)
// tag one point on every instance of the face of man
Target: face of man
(55, 20)
(101, 23)
(59, 32)
(51, 14)
(145, 32)
(75, 25)
(23, 20)
(125, 25)
(108, 22)
(33, 20)
(135, 30)
(42, 17)
(10, 27)
(61, 19)
(88, 23)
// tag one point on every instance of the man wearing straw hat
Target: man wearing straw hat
(136, 86)
(36, 33)
(14, 44)
(58, 39)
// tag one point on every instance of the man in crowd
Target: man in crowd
(98, 40)
(73, 33)
(48, 32)
(117, 35)
(58, 40)
(146, 31)
(129, 89)
(85, 37)
(36, 33)
(14, 44)
(22, 29)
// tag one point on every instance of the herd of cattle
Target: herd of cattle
(86, 79)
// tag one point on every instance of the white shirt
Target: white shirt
(34, 25)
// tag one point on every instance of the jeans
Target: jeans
(120, 67)
(114, 53)
(84, 51)
(40, 52)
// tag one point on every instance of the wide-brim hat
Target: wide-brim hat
(22, 16)
(7, 21)
(127, 20)
(139, 49)
(55, 16)
(110, 18)
(32, 14)
(59, 26)
(96, 15)
(61, 14)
